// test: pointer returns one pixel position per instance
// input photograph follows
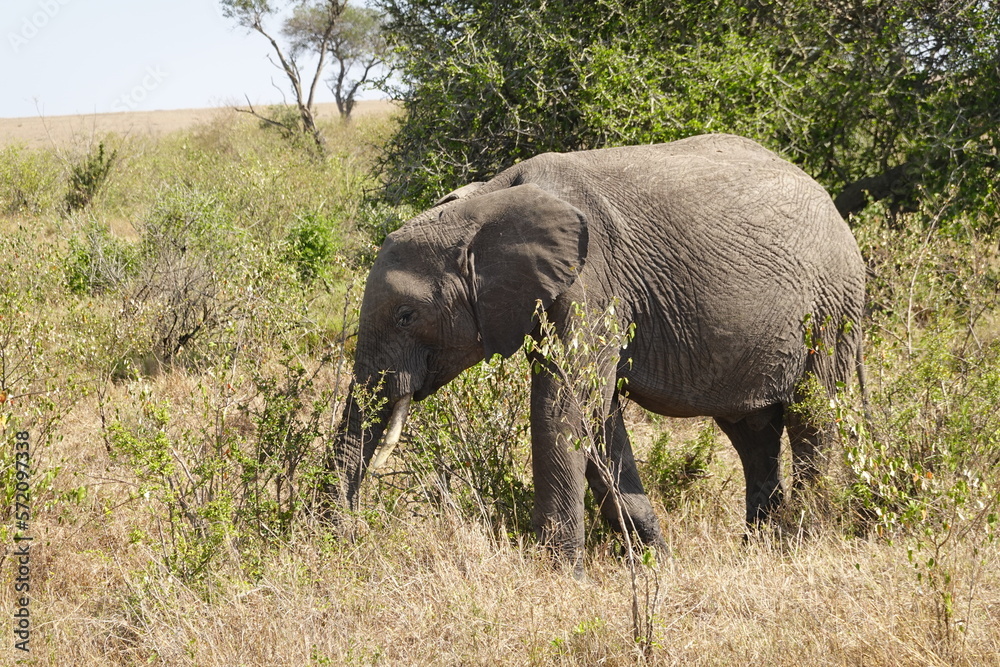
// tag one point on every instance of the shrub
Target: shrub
(929, 449)
(98, 261)
(468, 451)
(284, 119)
(225, 469)
(27, 181)
(37, 390)
(87, 177)
(281, 466)
(312, 246)
(179, 473)
(376, 220)
(211, 287)
(673, 471)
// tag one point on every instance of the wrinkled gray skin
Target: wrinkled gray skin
(717, 250)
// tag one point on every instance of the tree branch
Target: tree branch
(270, 121)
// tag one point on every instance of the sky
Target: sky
(62, 57)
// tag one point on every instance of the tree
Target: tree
(251, 14)
(356, 43)
(893, 99)
(902, 99)
(486, 84)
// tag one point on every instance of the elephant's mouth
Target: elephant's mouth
(431, 385)
(456, 359)
(435, 380)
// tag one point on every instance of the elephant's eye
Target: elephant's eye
(405, 316)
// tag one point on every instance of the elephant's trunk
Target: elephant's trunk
(393, 431)
(355, 444)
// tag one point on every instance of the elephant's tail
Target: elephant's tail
(859, 369)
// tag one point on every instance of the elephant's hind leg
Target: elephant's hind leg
(634, 507)
(806, 443)
(757, 439)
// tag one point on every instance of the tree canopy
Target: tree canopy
(355, 44)
(253, 14)
(316, 30)
(878, 99)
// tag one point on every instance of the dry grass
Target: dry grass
(61, 131)
(441, 591)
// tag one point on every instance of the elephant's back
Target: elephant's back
(696, 187)
(728, 255)
(718, 205)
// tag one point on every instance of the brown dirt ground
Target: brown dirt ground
(40, 131)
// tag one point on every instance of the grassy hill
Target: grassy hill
(63, 131)
(176, 317)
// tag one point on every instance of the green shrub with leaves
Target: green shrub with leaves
(583, 358)
(27, 181)
(674, 470)
(88, 176)
(313, 244)
(180, 475)
(229, 470)
(868, 101)
(925, 457)
(210, 285)
(283, 119)
(38, 388)
(280, 468)
(932, 447)
(377, 219)
(97, 261)
(468, 450)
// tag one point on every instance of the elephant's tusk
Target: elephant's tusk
(392, 432)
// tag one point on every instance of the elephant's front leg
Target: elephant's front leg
(559, 467)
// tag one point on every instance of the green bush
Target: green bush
(284, 119)
(468, 451)
(280, 470)
(181, 476)
(38, 388)
(376, 220)
(220, 478)
(87, 177)
(927, 452)
(98, 261)
(673, 471)
(312, 247)
(27, 181)
(857, 102)
(210, 286)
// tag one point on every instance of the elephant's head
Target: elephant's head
(457, 284)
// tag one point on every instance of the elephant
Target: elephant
(734, 269)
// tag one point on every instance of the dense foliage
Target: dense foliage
(897, 99)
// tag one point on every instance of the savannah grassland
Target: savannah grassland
(175, 336)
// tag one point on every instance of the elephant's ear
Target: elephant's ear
(463, 192)
(530, 247)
